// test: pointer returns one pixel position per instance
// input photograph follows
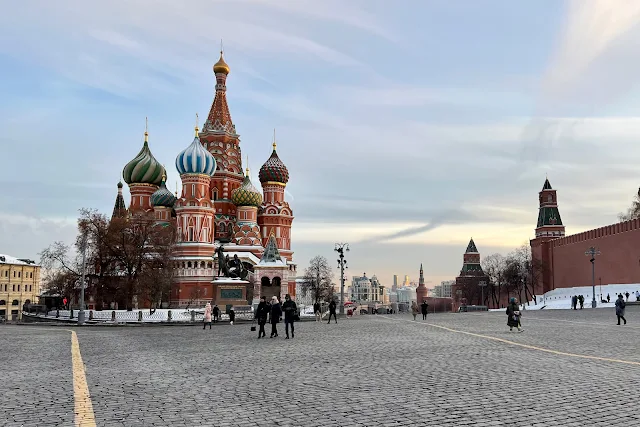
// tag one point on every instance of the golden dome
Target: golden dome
(221, 66)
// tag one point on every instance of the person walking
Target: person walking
(317, 311)
(216, 314)
(627, 295)
(620, 305)
(513, 315)
(332, 312)
(232, 315)
(276, 312)
(262, 312)
(574, 302)
(207, 316)
(637, 295)
(581, 301)
(608, 298)
(290, 312)
(424, 308)
(414, 309)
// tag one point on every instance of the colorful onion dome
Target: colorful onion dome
(162, 196)
(221, 66)
(273, 169)
(144, 168)
(195, 159)
(247, 194)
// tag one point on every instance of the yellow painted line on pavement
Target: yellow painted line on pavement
(83, 408)
(531, 347)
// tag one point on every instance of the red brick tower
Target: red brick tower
(549, 227)
(470, 277)
(219, 137)
(421, 291)
(275, 215)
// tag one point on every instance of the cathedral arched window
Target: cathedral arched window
(222, 228)
(214, 194)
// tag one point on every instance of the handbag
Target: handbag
(253, 325)
(296, 317)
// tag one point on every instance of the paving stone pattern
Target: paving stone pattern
(36, 382)
(382, 370)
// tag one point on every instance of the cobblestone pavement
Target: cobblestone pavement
(367, 371)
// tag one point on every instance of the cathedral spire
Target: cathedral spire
(219, 118)
(119, 209)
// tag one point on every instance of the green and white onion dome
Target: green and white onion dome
(247, 194)
(162, 196)
(144, 168)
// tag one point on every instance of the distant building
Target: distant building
(364, 289)
(406, 295)
(443, 290)
(406, 280)
(19, 285)
(395, 283)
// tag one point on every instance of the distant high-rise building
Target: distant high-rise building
(395, 283)
(406, 280)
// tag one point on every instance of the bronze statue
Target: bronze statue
(222, 261)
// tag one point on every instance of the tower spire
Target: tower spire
(146, 129)
(196, 128)
(274, 139)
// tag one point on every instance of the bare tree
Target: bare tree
(61, 269)
(494, 267)
(317, 280)
(633, 211)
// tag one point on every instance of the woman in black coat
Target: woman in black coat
(276, 313)
(513, 313)
(262, 312)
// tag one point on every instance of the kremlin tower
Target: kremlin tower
(548, 228)
(421, 291)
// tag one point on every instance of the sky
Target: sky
(407, 129)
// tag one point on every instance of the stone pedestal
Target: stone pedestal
(229, 292)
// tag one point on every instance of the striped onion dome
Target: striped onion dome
(162, 196)
(247, 194)
(195, 159)
(144, 168)
(274, 170)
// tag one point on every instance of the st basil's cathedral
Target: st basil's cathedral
(218, 205)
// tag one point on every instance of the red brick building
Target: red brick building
(563, 260)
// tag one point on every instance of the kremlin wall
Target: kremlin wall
(562, 258)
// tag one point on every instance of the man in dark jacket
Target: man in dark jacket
(276, 312)
(216, 314)
(424, 307)
(262, 312)
(332, 311)
(317, 311)
(290, 312)
(513, 315)
(620, 306)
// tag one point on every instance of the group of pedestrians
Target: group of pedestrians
(273, 311)
(424, 308)
(577, 299)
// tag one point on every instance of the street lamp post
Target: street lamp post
(482, 284)
(84, 259)
(592, 252)
(342, 264)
